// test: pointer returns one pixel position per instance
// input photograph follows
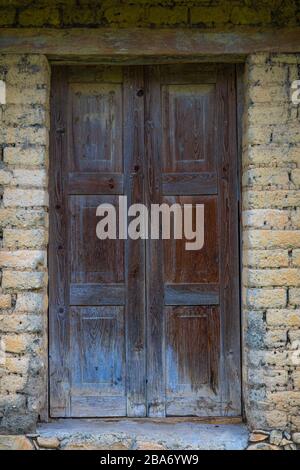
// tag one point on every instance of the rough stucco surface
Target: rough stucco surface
(271, 242)
(24, 233)
(148, 13)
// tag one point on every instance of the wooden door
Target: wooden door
(193, 328)
(143, 327)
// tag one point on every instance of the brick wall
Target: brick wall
(271, 243)
(148, 13)
(23, 256)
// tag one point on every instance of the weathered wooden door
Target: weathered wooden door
(143, 327)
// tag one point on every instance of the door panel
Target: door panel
(97, 287)
(191, 154)
(143, 327)
(93, 260)
(96, 127)
(192, 359)
(98, 355)
(193, 266)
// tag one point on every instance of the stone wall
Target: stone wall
(149, 13)
(271, 243)
(24, 232)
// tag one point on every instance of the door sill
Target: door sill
(147, 433)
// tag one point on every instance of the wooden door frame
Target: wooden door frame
(45, 415)
(146, 45)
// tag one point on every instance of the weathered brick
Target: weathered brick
(273, 378)
(36, 178)
(213, 15)
(23, 218)
(27, 96)
(266, 218)
(268, 95)
(295, 218)
(173, 16)
(20, 280)
(286, 134)
(277, 419)
(75, 16)
(24, 135)
(296, 257)
(294, 296)
(25, 197)
(17, 238)
(16, 115)
(258, 135)
(12, 383)
(284, 399)
(267, 115)
(264, 297)
(12, 400)
(295, 176)
(266, 177)
(275, 338)
(286, 239)
(16, 323)
(32, 156)
(247, 15)
(296, 382)
(266, 258)
(30, 259)
(7, 16)
(5, 300)
(17, 344)
(271, 155)
(266, 75)
(46, 16)
(270, 199)
(283, 317)
(31, 302)
(17, 365)
(272, 277)
(5, 177)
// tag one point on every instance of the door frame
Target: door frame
(239, 64)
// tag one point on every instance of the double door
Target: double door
(143, 327)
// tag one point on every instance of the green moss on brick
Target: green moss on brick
(210, 15)
(79, 16)
(250, 16)
(7, 16)
(39, 17)
(168, 16)
(125, 15)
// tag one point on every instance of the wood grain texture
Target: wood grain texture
(230, 371)
(154, 262)
(135, 249)
(157, 44)
(59, 332)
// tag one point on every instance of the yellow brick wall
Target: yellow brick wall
(149, 13)
(271, 242)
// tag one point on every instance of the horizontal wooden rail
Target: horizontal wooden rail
(146, 45)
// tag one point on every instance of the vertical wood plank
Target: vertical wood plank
(154, 256)
(135, 249)
(230, 372)
(58, 262)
